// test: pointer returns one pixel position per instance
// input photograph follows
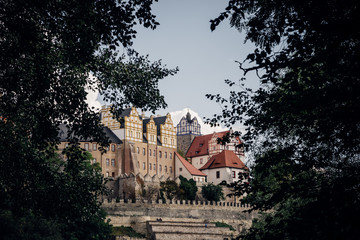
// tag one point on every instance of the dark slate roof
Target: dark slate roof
(111, 135)
(125, 112)
(158, 121)
(188, 117)
(158, 141)
(144, 138)
(63, 134)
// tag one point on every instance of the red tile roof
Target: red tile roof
(192, 170)
(200, 144)
(226, 158)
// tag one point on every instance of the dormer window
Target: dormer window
(197, 152)
(201, 145)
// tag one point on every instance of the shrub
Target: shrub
(212, 192)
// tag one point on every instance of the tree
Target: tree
(301, 122)
(149, 192)
(49, 51)
(212, 192)
(170, 188)
(188, 187)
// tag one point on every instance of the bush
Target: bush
(212, 192)
(188, 187)
(170, 188)
(224, 225)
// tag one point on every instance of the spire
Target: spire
(188, 117)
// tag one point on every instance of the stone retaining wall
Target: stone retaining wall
(136, 214)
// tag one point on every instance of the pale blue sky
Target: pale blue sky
(205, 58)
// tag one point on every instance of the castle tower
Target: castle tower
(187, 130)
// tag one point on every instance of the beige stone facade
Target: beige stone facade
(109, 161)
(149, 144)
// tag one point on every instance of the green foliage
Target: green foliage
(212, 192)
(171, 189)
(224, 225)
(148, 192)
(188, 187)
(179, 151)
(49, 50)
(302, 125)
(126, 231)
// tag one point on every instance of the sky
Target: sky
(205, 59)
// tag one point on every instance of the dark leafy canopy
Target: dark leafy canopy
(303, 122)
(188, 188)
(171, 189)
(48, 51)
(212, 192)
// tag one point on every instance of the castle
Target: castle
(143, 150)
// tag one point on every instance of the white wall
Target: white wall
(225, 174)
(184, 172)
(196, 161)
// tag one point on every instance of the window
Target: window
(170, 155)
(138, 150)
(160, 168)
(94, 146)
(154, 153)
(113, 174)
(159, 154)
(113, 147)
(150, 152)
(227, 147)
(86, 146)
(165, 154)
(107, 174)
(154, 166)
(107, 148)
(201, 160)
(144, 151)
(233, 175)
(170, 169)
(166, 169)
(214, 147)
(152, 138)
(149, 166)
(107, 162)
(113, 162)
(138, 164)
(217, 174)
(94, 160)
(196, 152)
(143, 165)
(180, 169)
(201, 145)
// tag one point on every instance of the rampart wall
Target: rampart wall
(136, 213)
